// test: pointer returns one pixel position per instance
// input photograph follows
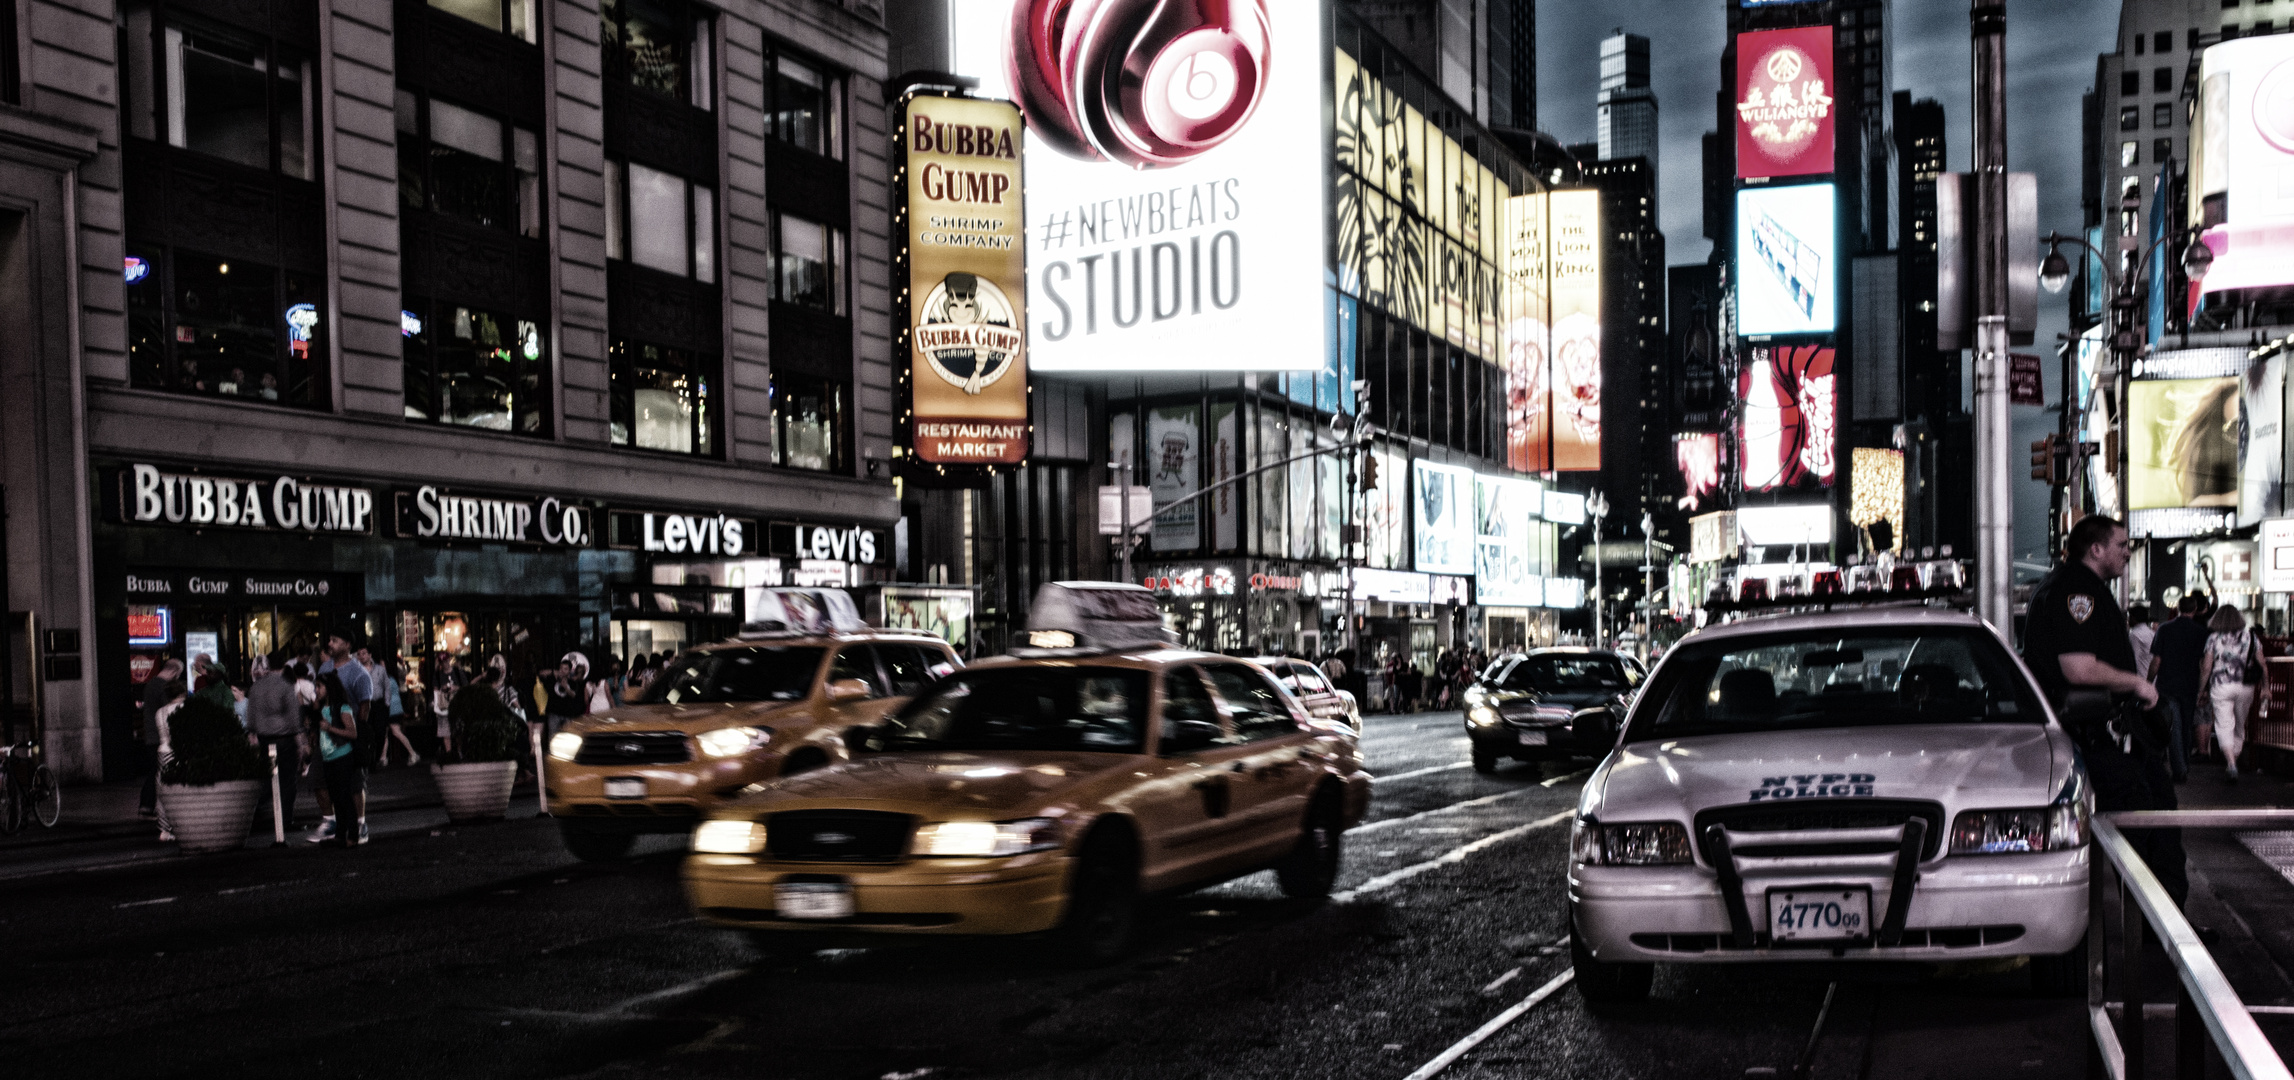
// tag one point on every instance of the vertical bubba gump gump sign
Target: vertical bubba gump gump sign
(964, 309)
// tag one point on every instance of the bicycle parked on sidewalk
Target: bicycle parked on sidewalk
(28, 789)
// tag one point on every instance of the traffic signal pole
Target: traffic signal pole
(1994, 490)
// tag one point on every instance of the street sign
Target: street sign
(1111, 514)
(2026, 384)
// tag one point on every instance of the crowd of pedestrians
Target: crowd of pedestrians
(2206, 662)
(1402, 686)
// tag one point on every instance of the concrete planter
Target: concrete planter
(207, 818)
(475, 790)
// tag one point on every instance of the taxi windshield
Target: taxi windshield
(757, 673)
(1827, 679)
(1026, 708)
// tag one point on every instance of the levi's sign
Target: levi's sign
(149, 495)
(843, 543)
(681, 534)
(433, 513)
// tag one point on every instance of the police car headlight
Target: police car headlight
(729, 837)
(1482, 715)
(564, 745)
(1648, 843)
(985, 839)
(2002, 832)
(726, 742)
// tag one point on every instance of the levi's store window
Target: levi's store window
(661, 399)
(221, 327)
(809, 422)
(474, 368)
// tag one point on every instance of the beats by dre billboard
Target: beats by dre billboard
(1174, 167)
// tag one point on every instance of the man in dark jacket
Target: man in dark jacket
(2176, 652)
(162, 687)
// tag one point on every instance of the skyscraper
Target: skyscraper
(1482, 52)
(1626, 107)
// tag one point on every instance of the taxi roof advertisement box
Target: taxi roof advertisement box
(1175, 169)
(1784, 102)
(967, 280)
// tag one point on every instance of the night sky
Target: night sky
(2051, 49)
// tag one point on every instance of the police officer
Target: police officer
(2076, 638)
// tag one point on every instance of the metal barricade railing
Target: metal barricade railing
(2123, 887)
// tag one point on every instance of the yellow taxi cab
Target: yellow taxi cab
(721, 719)
(1045, 791)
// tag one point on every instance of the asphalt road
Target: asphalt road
(487, 951)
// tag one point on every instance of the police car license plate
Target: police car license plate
(1819, 914)
(1533, 738)
(813, 899)
(625, 787)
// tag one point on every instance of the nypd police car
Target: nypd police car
(1877, 784)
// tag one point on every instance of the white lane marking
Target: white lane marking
(144, 903)
(1388, 823)
(680, 990)
(252, 888)
(1510, 975)
(1578, 775)
(1428, 770)
(1451, 857)
(1497, 1023)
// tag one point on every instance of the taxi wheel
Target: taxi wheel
(1604, 983)
(2063, 976)
(1103, 906)
(595, 845)
(1484, 761)
(1311, 868)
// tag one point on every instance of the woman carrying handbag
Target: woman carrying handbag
(2231, 673)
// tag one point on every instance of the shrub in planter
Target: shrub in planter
(212, 779)
(489, 741)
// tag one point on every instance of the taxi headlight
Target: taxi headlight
(985, 839)
(1481, 715)
(564, 745)
(726, 742)
(1646, 843)
(729, 837)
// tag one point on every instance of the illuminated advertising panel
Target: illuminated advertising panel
(1784, 102)
(1876, 493)
(1787, 428)
(1553, 331)
(967, 280)
(1697, 455)
(1442, 508)
(1784, 260)
(2242, 143)
(1176, 197)
(1505, 567)
(2182, 443)
(1784, 526)
(2262, 441)
(2276, 543)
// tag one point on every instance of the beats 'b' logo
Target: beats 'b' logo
(1142, 82)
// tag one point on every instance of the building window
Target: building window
(2162, 80)
(2130, 153)
(2130, 118)
(467, 165)
(2163, 41)
(2162, 115)
(203, 324)
(2130, 83)
(661, 399)
(2162, 150)
(807, 107)
(2192, 38)
(2139, 44)
(808, 422)
(2229, 4)
(227, 95)
(515, 16)
(473, 368)
(659, 45)
(660, 220)
(809, 262)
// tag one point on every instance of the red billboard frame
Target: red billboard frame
(1784, 105)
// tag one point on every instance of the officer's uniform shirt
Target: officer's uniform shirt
(2072, 611)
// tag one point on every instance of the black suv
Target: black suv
(1549, 704)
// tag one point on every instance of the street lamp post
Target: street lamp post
(1598, 506)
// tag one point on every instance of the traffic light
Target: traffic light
(2043, 460)
(1369, 472)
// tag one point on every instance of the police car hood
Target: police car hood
(1959, 765)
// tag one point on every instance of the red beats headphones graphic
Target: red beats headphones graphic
(1142, 82)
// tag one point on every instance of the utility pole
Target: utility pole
(1994, 493)
(1598, 506)
(1125, 538)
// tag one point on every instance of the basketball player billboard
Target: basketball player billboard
(966, 304)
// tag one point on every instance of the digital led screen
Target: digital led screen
(1506, 570)
(1553, 331)
(1784, 102)
(1697, 455)
(1787, 397)
(1784, 526)
(150, 625)
(2182, 443)
(2276, 541)
(2262, 441)
(1176, 212)
(1442, 509)
(2242, 155)
(1784, 260)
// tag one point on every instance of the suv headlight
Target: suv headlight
(565, 745)
(985, 839)
(1642, 843)
(726, 742)
(2058, 826)
(1482, 715)
(722, 837)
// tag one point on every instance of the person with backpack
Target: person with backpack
(2231, 673)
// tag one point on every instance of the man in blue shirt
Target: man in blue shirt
(2175, 656)
(359, 687)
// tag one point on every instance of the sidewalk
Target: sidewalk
(100, 827)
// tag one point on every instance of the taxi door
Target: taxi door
(854, 661)
(1185, 803)
(1278, 774)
